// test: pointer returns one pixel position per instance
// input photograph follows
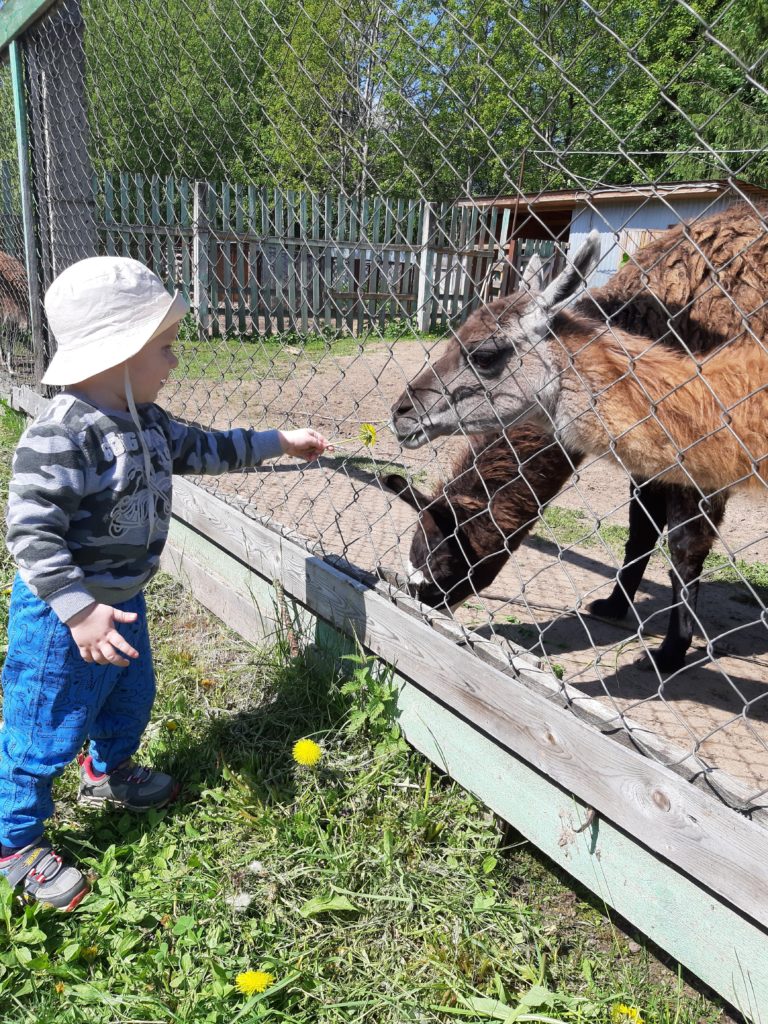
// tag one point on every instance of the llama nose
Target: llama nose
(403, 405)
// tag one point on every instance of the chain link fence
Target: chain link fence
(358, 200)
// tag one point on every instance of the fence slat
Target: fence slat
(109, 214)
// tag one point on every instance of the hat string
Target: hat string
(144, 451)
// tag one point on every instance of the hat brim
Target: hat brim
(68, 367)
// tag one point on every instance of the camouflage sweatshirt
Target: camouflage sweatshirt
(78, 508)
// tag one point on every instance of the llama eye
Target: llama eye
(486, 359)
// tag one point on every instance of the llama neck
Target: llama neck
(649, 404)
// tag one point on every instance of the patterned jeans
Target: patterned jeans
(53, 701)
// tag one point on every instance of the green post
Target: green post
(27, 215)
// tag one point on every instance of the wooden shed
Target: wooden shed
(626, 216)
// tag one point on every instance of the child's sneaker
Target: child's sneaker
(44, 876)
(129, 785)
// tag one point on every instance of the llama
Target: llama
(667, 292)
(666, 415)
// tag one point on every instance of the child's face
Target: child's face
(150, 368)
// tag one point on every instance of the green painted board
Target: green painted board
(18, 15)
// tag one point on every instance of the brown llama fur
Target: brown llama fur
(687, 421)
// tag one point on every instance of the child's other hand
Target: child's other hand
(93, 630)
(304, 444)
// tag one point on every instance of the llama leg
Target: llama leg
(691, 535)
(647, 516)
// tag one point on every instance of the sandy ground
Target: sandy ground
(715, 707)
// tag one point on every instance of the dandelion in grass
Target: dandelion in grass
(89, 953)
(251, 982)
(623, 1014)
(307, 753)
(171, 725)
(207, 684)
(59, 986)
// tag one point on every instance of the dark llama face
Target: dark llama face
(499, 367)
(442, 565)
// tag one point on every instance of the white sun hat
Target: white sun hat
(102, 311)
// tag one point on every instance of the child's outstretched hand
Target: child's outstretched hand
(304, 444)
(93, 630)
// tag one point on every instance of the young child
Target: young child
(88, 516)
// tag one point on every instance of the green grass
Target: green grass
(372, 888)
(235, 357)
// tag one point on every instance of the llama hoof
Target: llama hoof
(666, 662)
(609, 608)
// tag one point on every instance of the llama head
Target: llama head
(501, 365)
(439, 567)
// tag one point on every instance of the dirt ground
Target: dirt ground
(714, 709)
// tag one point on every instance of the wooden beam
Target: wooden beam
(722, 947)
(18, 15)
(723, 850)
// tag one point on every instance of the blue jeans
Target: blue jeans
(53, 701)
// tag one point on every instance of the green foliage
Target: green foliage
(405, 99)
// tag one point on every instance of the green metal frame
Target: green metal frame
(18, 15)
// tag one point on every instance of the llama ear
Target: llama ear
(533, 275)
(568, 284)
(403, 489)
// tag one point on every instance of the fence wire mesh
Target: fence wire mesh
(378, 212)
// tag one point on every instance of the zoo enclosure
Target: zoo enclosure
(550, 702)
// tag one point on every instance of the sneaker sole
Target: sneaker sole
(102, 801)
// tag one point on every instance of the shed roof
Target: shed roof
(569, 199)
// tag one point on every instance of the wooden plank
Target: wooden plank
(125, 213)
(720, 946)
(710, 842)
(280, 260)
(185, 220)
(109, 214)
(170, 233)
(200, 266)
(304, 238)
(214, 249)
(154, 208)
(353, 265)
(289, 244)
(240, 285)
(267, 272)
(330, 311)
(425, 297)
(224, 254)
(141, 216)
(255, 256)
(315, 254)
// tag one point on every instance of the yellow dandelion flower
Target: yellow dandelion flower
(89, 952)
(250, 982)
(620, 1013)
(59, 986)
(368, 434)
(171, 725)
(307, 753)
(207, 683)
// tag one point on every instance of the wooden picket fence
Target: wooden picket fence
(268, 260)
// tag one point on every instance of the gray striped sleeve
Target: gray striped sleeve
(46, 489)
(219, 451)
